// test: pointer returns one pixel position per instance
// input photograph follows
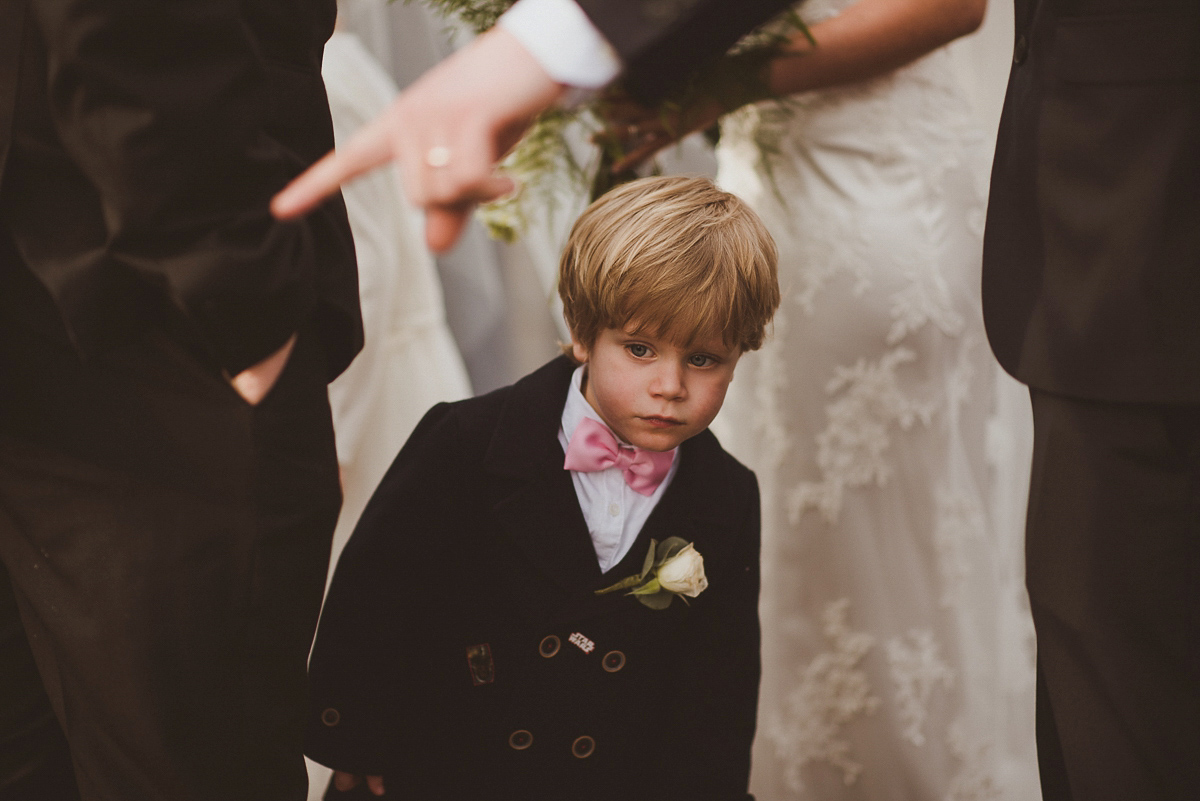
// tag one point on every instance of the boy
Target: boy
(466, 649)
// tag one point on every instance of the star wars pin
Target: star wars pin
(584, 644)
(479, 660)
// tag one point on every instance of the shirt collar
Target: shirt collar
(577, 407)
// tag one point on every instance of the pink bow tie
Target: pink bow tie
(593, 447)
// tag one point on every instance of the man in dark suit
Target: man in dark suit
(164, 525)
(1092, 297)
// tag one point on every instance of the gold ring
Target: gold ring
(438, 156)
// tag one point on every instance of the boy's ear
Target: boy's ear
(578, 351)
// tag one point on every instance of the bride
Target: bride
(896, 642)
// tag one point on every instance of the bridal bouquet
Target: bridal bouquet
(547, 163)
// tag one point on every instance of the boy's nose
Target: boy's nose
(669, 382)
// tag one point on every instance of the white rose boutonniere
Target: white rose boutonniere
(683, 573)
(672, 567)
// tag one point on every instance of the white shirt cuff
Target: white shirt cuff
(562, 39)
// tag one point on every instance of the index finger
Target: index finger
(367, 149)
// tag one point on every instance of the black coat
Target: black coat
(475, 537)
(140, 144)
(1091, 272)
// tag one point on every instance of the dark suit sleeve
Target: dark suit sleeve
(165, 106)
(717, 697)
(361, 677)
(662, 42)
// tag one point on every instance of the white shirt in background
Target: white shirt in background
(562, 39)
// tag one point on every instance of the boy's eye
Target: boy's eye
(701, 360)
(638, 350)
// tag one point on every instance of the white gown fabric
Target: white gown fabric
(409, 360)
(897, 649)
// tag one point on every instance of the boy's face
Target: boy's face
(651, 392)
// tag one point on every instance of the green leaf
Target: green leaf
(660, 600)
(649, 563)
(633, 581)
(629, 581)
(649, 588)
(798, 23)
(669, 547)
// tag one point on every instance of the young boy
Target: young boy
(466, 650)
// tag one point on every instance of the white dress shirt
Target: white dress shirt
(614, 513)
(562, 39)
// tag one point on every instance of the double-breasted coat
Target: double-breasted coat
(463, 652)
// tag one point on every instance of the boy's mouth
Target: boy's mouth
(664, 422)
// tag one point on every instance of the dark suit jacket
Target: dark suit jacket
(139, 146)
(475, 537)
(1091, 274)
(662, 42)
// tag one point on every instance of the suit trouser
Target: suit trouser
(35, 762)
(1113, 570)
(167, 545)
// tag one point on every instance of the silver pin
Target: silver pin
(583, 643)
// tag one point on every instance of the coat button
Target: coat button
(1020, 50)
(583, 747)
(330, 717)
(613, 661)
(549, 646)
(520, 739)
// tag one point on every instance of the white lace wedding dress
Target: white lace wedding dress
(896, 644)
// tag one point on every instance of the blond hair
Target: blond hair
(673, 255)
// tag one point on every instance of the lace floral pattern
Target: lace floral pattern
(887, 604)
(851, 450)
(917, 669)
(975, 778)
(829, 692)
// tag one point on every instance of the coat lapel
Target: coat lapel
(537, 507)
(694, 506)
